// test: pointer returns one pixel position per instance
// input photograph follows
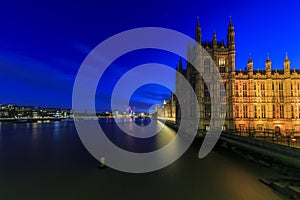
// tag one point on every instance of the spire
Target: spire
(230, 26)
(214, 36)
(250, 58)
(268, 57)
(287, 65)
(198, 36)
(250, 65)
(286, 56)
(180, 64)
(231, 35)
(214, 39)
(268, 64)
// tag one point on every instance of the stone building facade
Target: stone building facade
(264, 100)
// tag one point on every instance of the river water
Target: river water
(48, 161)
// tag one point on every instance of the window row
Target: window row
(278, 111)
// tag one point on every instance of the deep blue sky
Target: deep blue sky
(42, 44)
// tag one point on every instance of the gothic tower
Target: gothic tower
(250, 66)
(198, 36)
(231, 71)
(268, 65)
(287, 65)
(231, 46)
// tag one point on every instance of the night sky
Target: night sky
(42, 44)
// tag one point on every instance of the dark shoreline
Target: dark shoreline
(13, 120)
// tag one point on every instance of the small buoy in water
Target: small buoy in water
(102, 162)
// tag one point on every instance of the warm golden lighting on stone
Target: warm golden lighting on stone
(261, 100)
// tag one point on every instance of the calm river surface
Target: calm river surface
(48, 161)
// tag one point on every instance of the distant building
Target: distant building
(115, 113)
(32, 112)
(169, 108)
(159, 112)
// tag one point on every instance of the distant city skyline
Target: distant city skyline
(43, 44)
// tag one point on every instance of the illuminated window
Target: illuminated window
(281, 111)
(207, 111)
(262, 87)
(222, 115)
(223, 112)
(236, 90)
(281, 93)
(222, 90)
(236, 111)
(207, 127)
(244, 90)
(259, 127)
(222, 65)
(221, 62)
(280, 86)
(245, 111)
(263, 111)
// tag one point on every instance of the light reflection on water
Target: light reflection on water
(34, 128)
(57, 127)
(136, 144)
(58, 165)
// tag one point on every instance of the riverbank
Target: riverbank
(33, 120)
(280, 158)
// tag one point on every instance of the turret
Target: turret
(180, 65)
(287, 65)
(231, 46)
(198, 36)
(230, 36)
(268, 65)
(250, 66)
(215, 40)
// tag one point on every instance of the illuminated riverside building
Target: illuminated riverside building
(261, 100)
(169, 109)
(33, 112)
